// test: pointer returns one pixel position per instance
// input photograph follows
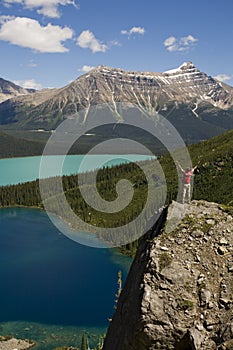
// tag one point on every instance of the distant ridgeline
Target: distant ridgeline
(17, 147)
(213, 182)
(23, 143)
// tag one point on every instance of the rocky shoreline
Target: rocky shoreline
(8, 343)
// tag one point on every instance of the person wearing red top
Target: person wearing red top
(186, 181)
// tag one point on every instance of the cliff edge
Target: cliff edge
(178, 294)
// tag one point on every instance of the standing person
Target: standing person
(186, 182)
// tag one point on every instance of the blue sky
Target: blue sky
(49, 43)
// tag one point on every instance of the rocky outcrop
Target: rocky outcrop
(9, 343)
(178, 294)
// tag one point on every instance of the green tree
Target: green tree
(84, 342)
(100, 343)
(119, 290)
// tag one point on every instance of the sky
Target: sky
(49, 43)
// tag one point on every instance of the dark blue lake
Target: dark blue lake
(51, 284)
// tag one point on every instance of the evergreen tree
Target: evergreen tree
(84, 342)
(100, 343)
(119, 282)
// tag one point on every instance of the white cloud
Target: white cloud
(187, 40)
(86, 68)
(114, 43)
(133, 30)
(170, 41)
(8, 3)
(179, 44)
(223, 77)
(87, 40)
(28, 84)
(27, 32)
(48, 8)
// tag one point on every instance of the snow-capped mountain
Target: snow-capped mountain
(183, 84)
(189, 83)
(198, 105)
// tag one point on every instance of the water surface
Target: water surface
(16, 170)
(51, 283)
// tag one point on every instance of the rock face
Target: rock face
(178, 294)
(198, 105)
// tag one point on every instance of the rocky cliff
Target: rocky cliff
(178, 294)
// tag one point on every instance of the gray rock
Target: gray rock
(210, 221)
(184, 303)
(223, 241)
(221, 250)
(204, 296)
(225, 303)
(165, 249)
(197, 234)
(15, 344)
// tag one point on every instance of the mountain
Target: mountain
(9, 90)
(178, 293)
(196, 104)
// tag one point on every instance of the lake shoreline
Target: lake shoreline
(9, 343)
(49, 337)
(75, 154)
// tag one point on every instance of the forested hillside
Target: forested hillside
(14, 147)
(213, 182)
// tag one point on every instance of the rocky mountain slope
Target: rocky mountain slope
(198, 105)
(178, 294)
(9, 90)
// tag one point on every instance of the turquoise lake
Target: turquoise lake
(16, 170)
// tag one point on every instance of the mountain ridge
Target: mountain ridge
(189, 98)
(9, 89)
(169, 77)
